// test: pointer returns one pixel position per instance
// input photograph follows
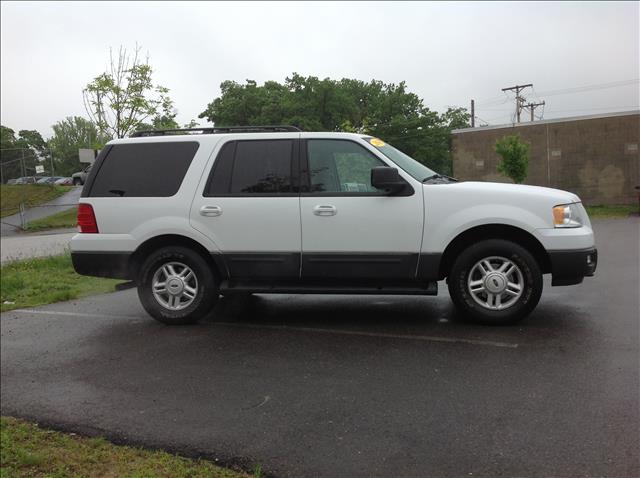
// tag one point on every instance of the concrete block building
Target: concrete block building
(596, 157)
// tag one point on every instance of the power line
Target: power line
(499, 100)
(601, 86)
(595, 109)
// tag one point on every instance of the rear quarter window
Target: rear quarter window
(143, 169)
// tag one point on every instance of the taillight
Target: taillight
(87, 219)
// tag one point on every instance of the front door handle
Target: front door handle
(210, 211)
(325, 210)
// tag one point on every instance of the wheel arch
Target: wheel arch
(493, 231)
(157, 242)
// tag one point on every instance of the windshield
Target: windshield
(417, 170)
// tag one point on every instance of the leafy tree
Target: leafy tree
(70, 135)
(385, 110)
(20, 154)
(10, 155)
(515, 157)
(123, 97)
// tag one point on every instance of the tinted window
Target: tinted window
(252, 167)
(340, 166)
(143, 169)
(220, 177)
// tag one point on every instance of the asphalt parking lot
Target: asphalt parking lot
(351, 386)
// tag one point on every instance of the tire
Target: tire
(167, 265)
(486, 295)
(77, 182)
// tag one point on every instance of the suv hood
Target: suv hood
(506, 191)
(459, 206)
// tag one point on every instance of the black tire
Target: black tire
(207, 288)
(531, 278)
(77, 182)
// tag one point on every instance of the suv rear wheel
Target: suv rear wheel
(77, 181)
(496, 282)
(176, 286)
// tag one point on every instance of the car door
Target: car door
(250, 208)
(350, 229)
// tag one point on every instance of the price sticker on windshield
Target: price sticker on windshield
(378, 143)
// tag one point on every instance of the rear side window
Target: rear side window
(252, 167)
(143, 169)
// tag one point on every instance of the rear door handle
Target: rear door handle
(325, 210)
(210, 211)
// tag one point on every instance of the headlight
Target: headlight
(567, 215)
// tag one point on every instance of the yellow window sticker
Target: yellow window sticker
(378, 143)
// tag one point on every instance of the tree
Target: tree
(124, 97)
(20, 155)
(515, 157)
(385, 110)
(70, 135)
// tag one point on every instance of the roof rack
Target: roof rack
(216, 130)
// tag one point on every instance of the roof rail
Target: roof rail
(216, 130)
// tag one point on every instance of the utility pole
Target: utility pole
(473, 114)
(519, 99)
(51, 157)
(532, 107)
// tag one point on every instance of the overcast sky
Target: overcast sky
(447, 53)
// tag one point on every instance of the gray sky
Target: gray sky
(447, 53)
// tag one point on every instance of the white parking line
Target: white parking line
(426, 338)
(71, 314)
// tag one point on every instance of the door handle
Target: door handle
(325, 210)
(210, 211)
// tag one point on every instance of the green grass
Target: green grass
(611, 211)
(31, 194)
(45, 280)
(66, 218)
(30, 451)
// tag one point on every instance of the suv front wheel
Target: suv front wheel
(176, 286)
(496, 282)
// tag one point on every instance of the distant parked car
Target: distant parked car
(12, 181)
(64, 182)
(50, 179)
(80, 177)
(26, 180)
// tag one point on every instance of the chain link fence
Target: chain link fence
(31, 206)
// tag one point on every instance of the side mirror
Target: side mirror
(383, 177)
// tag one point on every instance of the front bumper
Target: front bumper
(572, 266)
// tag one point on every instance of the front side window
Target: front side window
(338, 166)
(252, 167)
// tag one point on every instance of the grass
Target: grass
(612, 211)
(62, 219)
(30, 451)
(31, 194)
(45, 280)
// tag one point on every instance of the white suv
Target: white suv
(191, 216)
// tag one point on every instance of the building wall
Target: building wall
(596, 158)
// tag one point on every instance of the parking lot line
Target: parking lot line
(426, 338)
(71, 314)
